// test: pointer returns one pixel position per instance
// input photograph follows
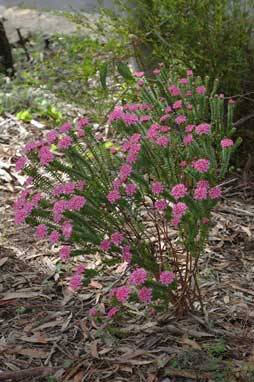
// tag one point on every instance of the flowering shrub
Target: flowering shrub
(144, 199)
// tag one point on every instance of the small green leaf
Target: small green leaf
(103, 75)
(125, 72)
(24, 116)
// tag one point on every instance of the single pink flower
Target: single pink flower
(162, 141)
(92, 312)
(140, 83)
(156, 71)
(189, 73)
(179, 209)
(145, 295)
(188, 139)
(65, 127)
(117, 238)
(41, 231)
(201, 89)
(52, 136)
(189, 128)
(180, 119)
(175, 91)
(179, 191)
(105, 245)
(188, 93)
(167, 277)
(113, 196)
(54, 237)
(161, 204)
(215, 193)
(20, 164)
(200, 193)
(82, 122)
(112, 312)
(45, 155)
(67, 229)
(130, 189)
(126, 254)
(203, 128)
(183, 164)
(75, 282)
(76, 203)
(183, 81)
(201, 165)
(65, 142)
(138, 277)
(205, 221)
(122, 294)
(168, 109)
(125, 170)
(178, 104)
(65, 252)
(226, 142)
(165, 129)
(157, 187)
(138, 74)
(145, 118)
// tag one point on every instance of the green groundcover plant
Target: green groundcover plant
(144, 198)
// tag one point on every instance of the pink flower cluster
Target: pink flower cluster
(179, 191)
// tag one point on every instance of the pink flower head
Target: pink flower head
(189, 73)
(65, 127)
(138, 277)
(145, 118)
(179, 191)
(76, 203)
(116, 114)
(183, 81)
(161, 204)
(167, 277)
(152, 312)
(45, 155)
(29, 181)
(60, 206)
(180, 119)
(145, 295)
(221, 95)
(152, 133)
(113, 196)
(174, 91)
(125, 170)
(231, 101)
(165, 129)
(29, 147)
(80, 269)
(215, 193)
(130, 189)
(20, 164)
(175, 221)
(189, 106)
(135, 138)
(82, 122)
(69, 188)
(112, 312)
(189, 128)
(138, 74)
(200, 193)
(156, 71)
(140, 82)
(117, 238)
(164, 118)
(80, 185)
(201, 165)
(203, 183)
(162, 141)
(58, 190)
(65, 252)
(41, 231)
(188, 93)
(178, 104)
(105, 245)
(117, 183)
(52, 136)
(188, 139)
(168, 109)
(57, 218)
(129, 119)
(203, 128)
(36, 199)
(92, 312)
(126, 254)
(75, 282)
(201, 89)
(205, 220)
(122, 294)
(183, 164)
(226, 142)
(157, 187)
(65, 142)
(179, 209)
(67, 229)
(80, 133)
(54, 237)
